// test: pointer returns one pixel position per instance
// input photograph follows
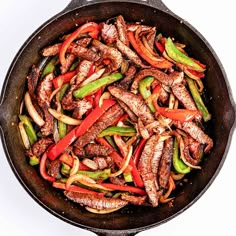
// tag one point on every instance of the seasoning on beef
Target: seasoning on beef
(93, 149)
(108, 118)
(135, 200)
(108, 33)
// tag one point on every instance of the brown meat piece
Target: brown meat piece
(103, 162)
(93, 149)
(132, 116)
(44, 91)
(69, 61)
(108, 33)
(117, 180)
(107, 119)
(182, 94)
(195, 148)
(109, 53)
(169, 80)
(122, 30)
(151, 35)
(93, 201)
(82, 106)
(196, 133)
(53, 168)
(85, 53)
(134, 102)
(134, 199)
(40, 146)
(32, 79)
(79, 152)
(130, 54)
(51, 50)
(165, 164)
(129, 75)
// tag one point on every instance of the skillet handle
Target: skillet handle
(81, 3)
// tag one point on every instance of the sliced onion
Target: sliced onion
(200, 85)
(164, 54)
(147, 46)
(79, 178)
(21, 107)
(54, 93)
(124, 67)
(58, 103)
(121, 145)
(96, 186)
(76, 163)
(105, 95)
(176, 176)
(93, 77)
(162, 138)
(32, 111)
(90, 163)
(64, 118)
(126, 163)
(56, 135)
(143, 130)
(164, 198)
(102, 211)
(171, 101)
(24, 135)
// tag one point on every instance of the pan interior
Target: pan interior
(130, 217)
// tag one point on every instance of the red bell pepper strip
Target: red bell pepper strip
(98, 95)
(154, 61)
(160, 46)
(182, 115)
(138, 151)
(74, 188)
(79, 130)
(125, 188)
(63, 79)
(42, 168)
(197, 73)
(91, 70)
(91, 27)
(123, 117)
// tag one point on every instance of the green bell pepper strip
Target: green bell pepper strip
(144, 89)
(63, 90)
(34, 160)
(175, 54)
(198, 100)
(62, 128)
(50, 67)
(110, 141)
(74, 65)
(96, 175)
(128, 177)
(116, 130)
(178, 164)
(29, 129)
(97, 84)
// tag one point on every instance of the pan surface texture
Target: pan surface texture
(130, 220)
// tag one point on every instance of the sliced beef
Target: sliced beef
(134, 199)
(158, 149)
(85, 53)
(165, 164)
(182, 94)
(32, 79)
(93, 201)
(169, 80)
(122, 30)
(119, 180)
(134, 102)
(44, 91)
(40, 146)
(196, 133)
(78, 151)
(82, 106)
(53, 168)
(129, 75)
(132, 116)
(108, 33)
(108, 118)
(93, 149)
(195, 148)
(69, 61)
(130, 54)
(103, 162)
(110, 53)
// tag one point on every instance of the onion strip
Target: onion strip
(76, 164)
(64, 118)
(32, 111)
(24, 135)
(126, 163)
(102, 211)
(93, 77)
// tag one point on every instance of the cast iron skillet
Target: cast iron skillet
(130, 220)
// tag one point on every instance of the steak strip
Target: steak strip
(93, 149)
(134, 102)
(196, 133)
(108, 118)
(94, 201)
(165, 164)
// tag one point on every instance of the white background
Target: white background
(211, 215)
